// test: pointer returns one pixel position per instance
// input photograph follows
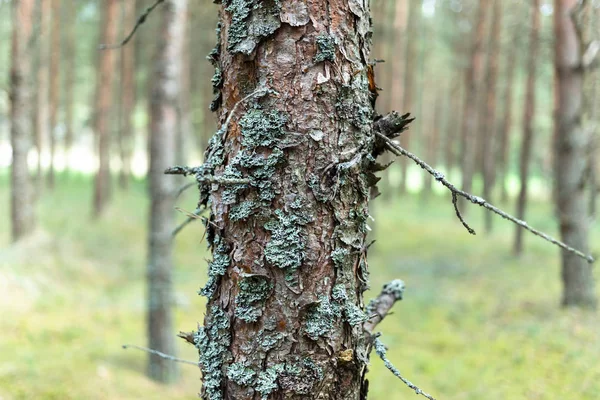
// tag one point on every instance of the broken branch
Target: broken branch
(399, 151)
(380, 306)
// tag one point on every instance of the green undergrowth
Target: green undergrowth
(475, 322)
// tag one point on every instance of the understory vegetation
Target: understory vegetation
(475, 322)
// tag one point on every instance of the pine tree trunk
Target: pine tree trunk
(414, 17)
(528, 122)
(42, 122)
(489, 137)
(185, 129)
(570, 146)
(22, 212)
(163, 130)
(506, 121)
(54, 86)
(102, 109)
(70, 73)
(473, 83)
(288, 271)
(128, 91)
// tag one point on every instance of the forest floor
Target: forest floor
(475, 323)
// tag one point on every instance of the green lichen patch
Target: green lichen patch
(262, 128)
(320, 318)
(253, 291)
(251, 21)
(269, 340)
(217, 79)
(217, 267)
(352, 313)
(286, 246)
(241, 374)
(213, 342)
(267, 380)
(340, 257)
(300, 376)
(325, 49)
(242, 211)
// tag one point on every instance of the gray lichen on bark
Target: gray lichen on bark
(289, 248)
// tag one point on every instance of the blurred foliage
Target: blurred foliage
(475, 322)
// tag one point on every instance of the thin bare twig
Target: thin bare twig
(399, 151)
(190, 218)
(382, 353)
(380, 306)
(140, 21)
(160, 354)
(183, 189)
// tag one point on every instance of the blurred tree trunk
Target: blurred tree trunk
(163, 131)
(42, 122)
(128, 96)
(412, 38)
(488, 134)
(506, 121)
(592, 32)
(70, 74)
(54, 86)
(22, 211)
(102, 109)
(473, 84)
(185, 129)
(528, 122)
(570, 162)
(433, 138)
(398, 62)
(287, 249)
(453, 127)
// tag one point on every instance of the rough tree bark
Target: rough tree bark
(570, 150)
(104, 84)
(22, 212)
(488, 166)
(506, 121)
(163, 130)
(473, 77)
(54, 86)
(70, 73)
(287, 180)
(414, 22)
(42, 89)
(128, 91)
(528, 122)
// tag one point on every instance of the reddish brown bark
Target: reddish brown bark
(414, 17)
(103, 104)
(506, 121)
(54, 86)
(488, 134)
(473, 78)
(42, 122)
(128, 91)
(570, 147)
(528, 122)
(22, 212)
(288, 269)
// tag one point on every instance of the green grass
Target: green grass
(476, 323)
